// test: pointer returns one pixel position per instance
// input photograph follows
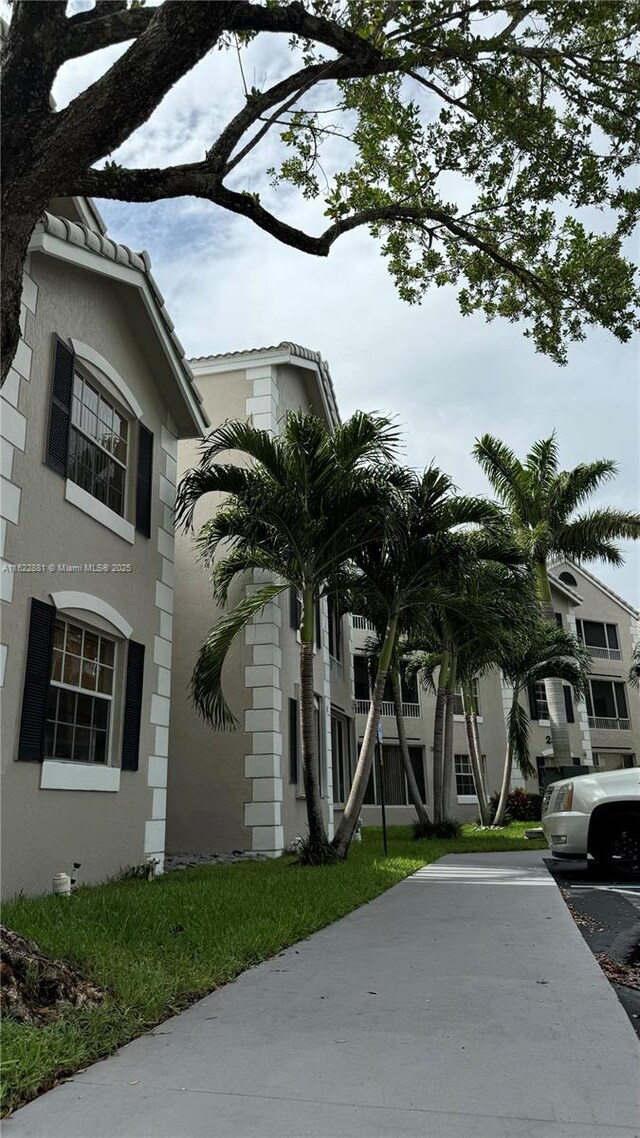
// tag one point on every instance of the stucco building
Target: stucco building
(243, 789)
(604, 729)
(92, 410)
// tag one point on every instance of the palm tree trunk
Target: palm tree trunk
(447, 759)
(412, 785)
(559, 728)
(317, 833)
(508, 766)
(349, 820)
(438, 736)
(475, 757)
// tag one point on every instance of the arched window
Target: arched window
(569, 579)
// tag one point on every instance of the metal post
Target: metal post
(381, 786)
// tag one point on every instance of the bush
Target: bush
(521, 807)
(448, 828)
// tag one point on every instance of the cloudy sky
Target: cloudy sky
(447, 378)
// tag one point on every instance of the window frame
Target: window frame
(465, 796)
(61, 685)
(87, 378)
(612, 723)
(610, 632)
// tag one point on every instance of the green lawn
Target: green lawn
(157, 946)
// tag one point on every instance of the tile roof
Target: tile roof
(104, 246)
(295, 350)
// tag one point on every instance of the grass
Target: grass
(157, 946)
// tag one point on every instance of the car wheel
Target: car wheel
(619, 846)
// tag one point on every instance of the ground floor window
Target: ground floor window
(465, 782)
(340, 757)
(396, 792)
(78, 716)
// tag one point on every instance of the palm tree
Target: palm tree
(535, 651)
(494, 593)
(299, 511)
(541, 500)
(399, 578)
(634, 670)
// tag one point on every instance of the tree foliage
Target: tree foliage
(542, 500)
(471, 138)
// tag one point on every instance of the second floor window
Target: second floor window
(607, 706)
(458, 705)
(600, 639)
(98, 445)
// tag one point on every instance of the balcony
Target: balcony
(603, 653)
(600, 723)
(363, 623)
(409, 710)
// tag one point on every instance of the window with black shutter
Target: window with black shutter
(60, 410)
(36, 682)
(132, 707)
(143, 481)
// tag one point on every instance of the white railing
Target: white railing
(362, 622)
(599, 722)
(409, 710)
(604, 653)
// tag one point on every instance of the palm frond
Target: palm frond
(518, 739)
(202, 480)
(504, 472)
(572, 487)
(366, 436)
(241, 435)
(634, 670)
(206, 681)
(542, 464)
(592, 536)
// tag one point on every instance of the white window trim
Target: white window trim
(98, 511)
(68, 774)
(461, 719)
(59, 774)
(467, 799)
(117, 663)
(92, 604)
(91, 356)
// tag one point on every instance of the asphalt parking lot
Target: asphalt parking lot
(607, 912)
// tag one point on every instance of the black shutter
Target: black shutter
(132, 707)
(533, 702)
(568, 703)
(558, 616)
(294, 608)
(60, 412)
(36, 682)
(293, 741)
(143, 481)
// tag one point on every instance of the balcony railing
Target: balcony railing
(409, 710)
(362, 622)
(603, 653)
(601, 723)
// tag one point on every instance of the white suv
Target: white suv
(596, 814)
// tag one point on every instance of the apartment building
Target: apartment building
(91, 413)
(604, 728)
(242, 790)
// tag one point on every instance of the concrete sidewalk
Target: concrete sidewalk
(463, 1003)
